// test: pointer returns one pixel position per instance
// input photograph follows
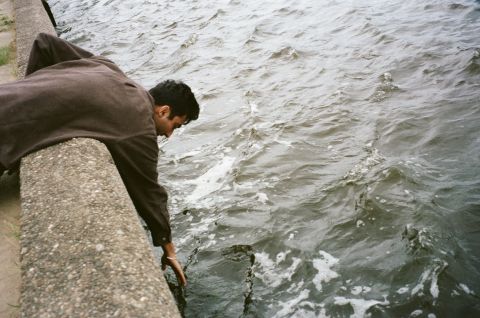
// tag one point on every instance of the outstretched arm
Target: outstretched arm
(136, 161)
(49, 50)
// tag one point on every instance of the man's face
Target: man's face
(163, 124)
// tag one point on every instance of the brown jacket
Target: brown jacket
(68, 92)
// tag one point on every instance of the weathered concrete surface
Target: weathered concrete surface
(30, 19)
(9, 193)
(83, 250)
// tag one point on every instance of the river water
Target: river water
(334, 170)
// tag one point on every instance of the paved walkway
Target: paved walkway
(9, 191)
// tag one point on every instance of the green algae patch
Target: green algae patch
(5, 55)
(6, 23)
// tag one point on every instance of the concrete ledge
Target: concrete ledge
(83, 251)
(30, 19)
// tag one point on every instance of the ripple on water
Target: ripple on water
(286, 52)
(473, 65)
(192, 39)
(385, 89)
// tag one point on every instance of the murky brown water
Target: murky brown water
(334, 170)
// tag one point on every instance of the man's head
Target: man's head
(175, 105)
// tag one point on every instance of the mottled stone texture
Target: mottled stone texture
(83, 251)
(30, 19)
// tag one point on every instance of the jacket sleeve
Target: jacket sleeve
(49, 50)
(136, 160)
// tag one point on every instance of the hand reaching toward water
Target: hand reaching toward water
(170, 258)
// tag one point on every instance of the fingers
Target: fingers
(177, 269)
(170, 258)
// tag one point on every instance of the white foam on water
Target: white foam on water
(269, 272)
(402, 290)
(288, 307)
(209, 244)
(245, 185)
(202, 226)
(287, 143)
(359, 306)
(250, 186)
(256, 146)
(416, 313)
(253, 107)
(423, 279)
(431, 274)
(356, 290)
(197, 229)
(211, 241)
(301, 313)
(211, 181)
(262, 197)
(323, 266)
(431, 315)
(466, 289)
(434, 287)
(184, 155)
(360, 169)
(295, 287)
(360, 223)
(282, 256)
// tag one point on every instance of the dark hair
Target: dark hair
(178, 96)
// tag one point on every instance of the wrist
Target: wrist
(169, 249)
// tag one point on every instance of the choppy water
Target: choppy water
(334, 170)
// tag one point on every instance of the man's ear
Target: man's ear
(162, 111)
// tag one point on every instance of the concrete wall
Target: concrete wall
(83, 251)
